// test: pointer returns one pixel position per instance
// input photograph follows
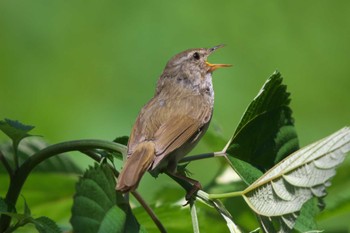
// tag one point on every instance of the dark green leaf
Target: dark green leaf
(265, 135)
(246, 171)
(45, 225)
(122, 140)
(273, 94)
(15, 130)
(97, 206)
(266, 132)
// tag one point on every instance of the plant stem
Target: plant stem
(225, 195)
(202, 156)
(194, 217)
(197, 157)
(21, 174)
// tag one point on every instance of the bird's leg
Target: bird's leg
(192, 186)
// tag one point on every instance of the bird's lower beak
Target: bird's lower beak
(213, 67)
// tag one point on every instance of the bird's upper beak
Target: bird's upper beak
(213, 67)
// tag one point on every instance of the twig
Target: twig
(202, 156)
(197, 157)
(150, 212)
(6, 164)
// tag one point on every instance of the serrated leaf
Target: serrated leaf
(46, 225)
(95, 207)
(115, 218)
(282, 191)
(266, 132)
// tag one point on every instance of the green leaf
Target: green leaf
(122, 140)
(15, 130)
(306, 220)
(250, 173)
(45, 225)
(114, 218)
(97, 206)
(266, 133)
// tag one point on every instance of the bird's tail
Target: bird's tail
(135, 166)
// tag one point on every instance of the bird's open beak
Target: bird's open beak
(213, 67)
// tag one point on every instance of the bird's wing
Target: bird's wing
(168, 126)
(174, 133)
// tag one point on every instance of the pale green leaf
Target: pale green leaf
(282, 191)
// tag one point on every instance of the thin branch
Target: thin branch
(202, 156)
(6, 164)
(149, 211)
(197, 157)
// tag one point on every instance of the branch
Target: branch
(197, 157)
(149, 211)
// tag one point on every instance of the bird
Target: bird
(171, 124)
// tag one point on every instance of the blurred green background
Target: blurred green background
(83, 69)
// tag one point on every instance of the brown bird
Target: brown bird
(174, 120)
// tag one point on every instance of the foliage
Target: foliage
(284, 186)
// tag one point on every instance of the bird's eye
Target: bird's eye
(196, 56)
